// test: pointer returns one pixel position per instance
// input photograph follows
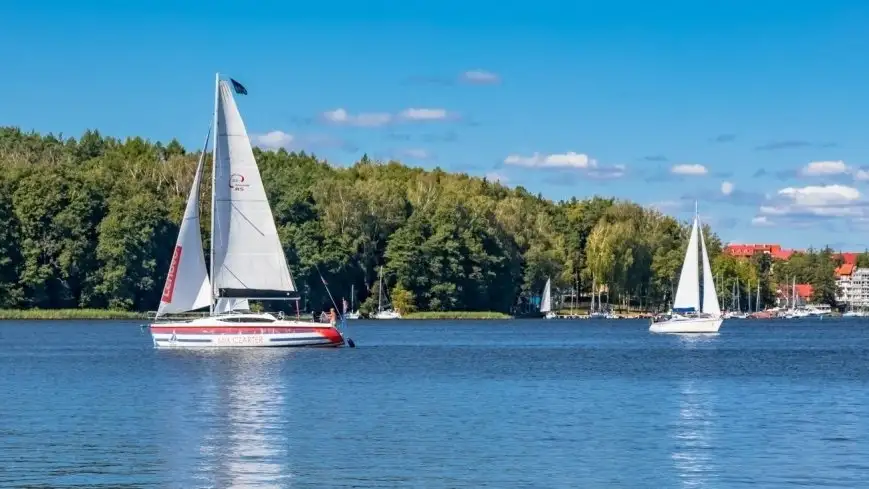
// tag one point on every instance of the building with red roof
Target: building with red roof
(804, 291)
(847, 258)
(785, 293)
(845, 269)
(845, 281)
(749, 250)
(776, 251)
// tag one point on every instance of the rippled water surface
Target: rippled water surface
(515, 404)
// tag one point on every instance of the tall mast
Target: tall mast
(738, 303)
(757, 300)
(700, 235)
(749, 296)
(213, 185)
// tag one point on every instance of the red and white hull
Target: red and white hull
(233, 331)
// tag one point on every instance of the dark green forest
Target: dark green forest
(91, 222)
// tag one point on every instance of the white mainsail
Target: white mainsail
(710, 296)
(688, 290)
(546, 302)
(187, 285)
(248, 260)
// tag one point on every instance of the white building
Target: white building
(858, 292)
(853, 285)
(845, 280)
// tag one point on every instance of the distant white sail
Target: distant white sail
(248, 258)
(546, 302)
(688, 290)
(710, 297)
(224, 306)
(187, 286)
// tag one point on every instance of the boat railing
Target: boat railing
(178, 316)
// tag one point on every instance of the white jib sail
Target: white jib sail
(224, 306)
(688, 290)
(710, 297)
(546, 302)
(248, 258)
(187, 286)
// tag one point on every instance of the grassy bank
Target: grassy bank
(68, 314)
(456, 315)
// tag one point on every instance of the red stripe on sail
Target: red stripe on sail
(169, 288)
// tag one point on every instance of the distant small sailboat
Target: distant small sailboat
(353, 314)
(596, 312)
(546, 301)
(247, 259)
(687, 314)
(381, 312)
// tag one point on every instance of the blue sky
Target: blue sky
(759, 109)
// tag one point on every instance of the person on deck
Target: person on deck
(333, 317)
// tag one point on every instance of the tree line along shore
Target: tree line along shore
(110, 314)
(89, 224)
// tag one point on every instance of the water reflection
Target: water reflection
(244, 445)
(694, 432)
(209, 410)
(692, 339)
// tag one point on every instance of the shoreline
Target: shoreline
(116, 315)
(456, 315)
(68, 314)
(108, 314)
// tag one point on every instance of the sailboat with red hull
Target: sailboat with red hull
(247, 259)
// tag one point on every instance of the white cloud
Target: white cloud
(337, 115)
(694, 169)
(761, 221)
(341, 116)
(273, 140)
(570, 160)
(820, 201)
(821, 195)
(365, 119)
(614, 171)
(497, 177)
(824, 168)
(480, 76)
(557, 160)
(861, 175)
(417, 153)
(424, 114)
(833, 168)
(727, 188)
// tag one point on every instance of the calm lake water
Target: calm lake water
(510, 404)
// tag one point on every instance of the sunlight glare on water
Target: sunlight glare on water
(510, 404)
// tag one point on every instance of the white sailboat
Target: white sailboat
(596, 312)
(381, 312)
(247, 260)
(546, 301)
(353, 314)
(688, 315)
